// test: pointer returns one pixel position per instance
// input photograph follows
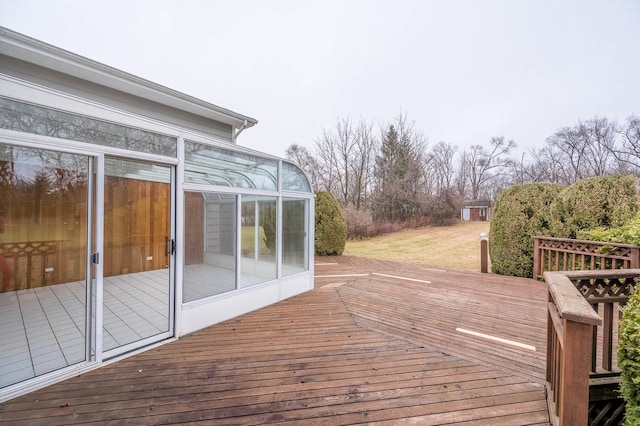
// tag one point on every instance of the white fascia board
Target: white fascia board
(39, 53)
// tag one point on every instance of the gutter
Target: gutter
(237, 132)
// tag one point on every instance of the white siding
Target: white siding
(125, 101)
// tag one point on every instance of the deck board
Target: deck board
(357, 350)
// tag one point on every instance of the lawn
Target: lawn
(456, 246)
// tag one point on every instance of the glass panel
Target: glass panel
(43, 239)
(207, 164)
(210, 245)
(295, 247)
(294, 179)
(137, 232)
(29, 118)
(259, 229)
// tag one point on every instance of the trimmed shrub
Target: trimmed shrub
(331, 228)
(597, 202)
(520, 212)
(629, 358)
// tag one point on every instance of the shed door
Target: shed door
(466, 213)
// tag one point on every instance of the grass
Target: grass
(456, 246)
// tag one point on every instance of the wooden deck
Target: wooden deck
(375, 342)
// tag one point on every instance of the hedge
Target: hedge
(597, 202)
(599, 208)
(520, 212)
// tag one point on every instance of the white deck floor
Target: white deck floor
(43, 328)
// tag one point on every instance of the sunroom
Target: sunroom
(129, 216)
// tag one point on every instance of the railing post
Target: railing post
(571, 324)
(537, 271)
(484, 255)
(574, 380)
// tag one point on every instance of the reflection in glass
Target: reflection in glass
(210, 245)
(39, 120)
(43, 237)
(259, 230)
(295, 246)
(211, 165)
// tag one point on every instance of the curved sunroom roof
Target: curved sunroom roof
(211, 165)
(294, 179)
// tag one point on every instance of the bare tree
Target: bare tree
(599, 139)
(441, 165)
(567, 144)
(548, 165)
(365, 149)
(627, 151)
(585, 150)
(303, 158)
(333, 150)
(483, 165)
(345, 159)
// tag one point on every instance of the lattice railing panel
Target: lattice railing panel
(29, 248)
(603, 288)
(560, 254)
(34, 263)
(608, 412)
(586, 247)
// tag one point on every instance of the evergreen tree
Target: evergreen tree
(398, 175)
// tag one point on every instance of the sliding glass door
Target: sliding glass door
(86, 258)
(44, 237)
(138, 255)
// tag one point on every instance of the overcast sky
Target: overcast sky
(464, 71)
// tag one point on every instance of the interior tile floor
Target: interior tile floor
(43, 329)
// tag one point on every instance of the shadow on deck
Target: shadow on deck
(375, 342)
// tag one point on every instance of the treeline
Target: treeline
(389, 177)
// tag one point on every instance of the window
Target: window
(234, 240)
(259, 240)
(210, 245)
(295, 248)
(39, 120)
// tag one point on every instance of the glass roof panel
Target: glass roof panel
(217, 166)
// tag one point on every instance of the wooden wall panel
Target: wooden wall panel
(137, 225)
(45, 238)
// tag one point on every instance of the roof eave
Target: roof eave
(42, 54)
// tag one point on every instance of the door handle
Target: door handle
(169, 246)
